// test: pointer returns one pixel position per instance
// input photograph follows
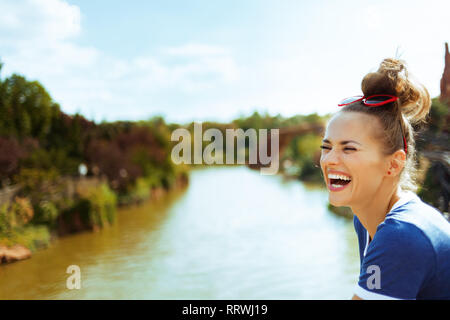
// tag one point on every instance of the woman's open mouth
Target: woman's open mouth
(337, 182)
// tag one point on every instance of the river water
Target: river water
(231, 234)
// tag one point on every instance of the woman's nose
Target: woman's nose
(330, 158)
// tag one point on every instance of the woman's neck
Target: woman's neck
(374, 210)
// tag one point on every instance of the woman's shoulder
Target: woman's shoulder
(401, 234)
(416, 224)
(414, 213)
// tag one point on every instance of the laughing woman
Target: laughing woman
(368, 163)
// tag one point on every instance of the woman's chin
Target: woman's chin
(334, 201)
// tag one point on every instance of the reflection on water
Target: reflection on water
(233, 234)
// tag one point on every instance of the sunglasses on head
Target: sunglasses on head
(375, 100)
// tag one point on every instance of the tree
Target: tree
(25, 108)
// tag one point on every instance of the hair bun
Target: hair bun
(392, 78)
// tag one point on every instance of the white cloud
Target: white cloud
(38, 20)
(189, 68)
(193, 49)
(38, 39)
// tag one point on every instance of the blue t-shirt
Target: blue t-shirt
(409, 256)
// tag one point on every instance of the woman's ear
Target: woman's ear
(396, 163)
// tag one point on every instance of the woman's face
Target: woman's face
(349, 149)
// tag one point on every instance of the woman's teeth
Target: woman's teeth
(338, 176)
(338, 182)
(337, 185)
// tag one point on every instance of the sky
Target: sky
(202, 60)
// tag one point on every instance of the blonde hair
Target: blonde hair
(399, 117)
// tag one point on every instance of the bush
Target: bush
(94, 208)
(100, 204)
(32, 180)
(309, 172)
(139, 192)
(56, 160)
(14, 227)
(32, 237)
(46, 213)
(21, 212)
(5, 221)
(16, 214)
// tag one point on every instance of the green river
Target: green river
(231, 234)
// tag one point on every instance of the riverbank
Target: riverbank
(90, 206)
(15, 253)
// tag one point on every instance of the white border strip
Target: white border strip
(367, 243)
(369, 295)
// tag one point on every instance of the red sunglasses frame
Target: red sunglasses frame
(364, 99)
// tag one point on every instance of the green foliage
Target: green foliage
(25, 107)
(309, 171)
(21, 211)
(257, 121)
(28, 113)
(56, 160)
(31, 179)
(304, 152)
(100, 205)
(307, 145)
(95, 208)
(5, 220)
(15, 227)
(32, 237)
(69, 133)
(46, 212)
(438, 115)
(430, 190)
(16, 214)
(139, 192)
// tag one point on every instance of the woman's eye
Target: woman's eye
(346, 149)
